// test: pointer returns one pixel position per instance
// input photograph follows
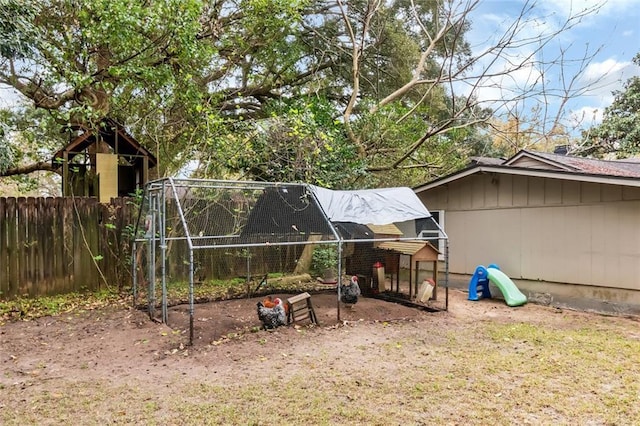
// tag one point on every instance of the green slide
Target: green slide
(512, 295)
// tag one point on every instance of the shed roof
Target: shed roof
(111, 132)
(406, 247)
(389, 229)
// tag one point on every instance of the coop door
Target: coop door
(107, 171)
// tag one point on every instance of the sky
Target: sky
(611, 35)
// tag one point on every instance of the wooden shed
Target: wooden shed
(104, 162)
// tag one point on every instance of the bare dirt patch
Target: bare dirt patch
(115, 365)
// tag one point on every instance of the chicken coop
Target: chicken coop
(193, 232)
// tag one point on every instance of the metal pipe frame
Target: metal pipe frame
(158, 191)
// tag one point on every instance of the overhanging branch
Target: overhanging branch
(30, 168)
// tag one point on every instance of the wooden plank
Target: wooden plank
(4, 249)
(12, 243)
(46, 245)
(67, 236)
(23, 217)
(83, 265)
(58, 275)
(29, 266)
(297, 298)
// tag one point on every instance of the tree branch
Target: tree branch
(45, 166)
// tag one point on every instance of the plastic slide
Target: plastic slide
(479, 285)
(512, 295)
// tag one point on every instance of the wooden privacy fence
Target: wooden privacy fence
(58, 245)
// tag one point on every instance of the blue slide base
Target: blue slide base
(479, 285)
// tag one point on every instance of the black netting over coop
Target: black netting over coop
(208, 239)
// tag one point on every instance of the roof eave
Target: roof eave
(542, 173)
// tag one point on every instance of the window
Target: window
(430, 232)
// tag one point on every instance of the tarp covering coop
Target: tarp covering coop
(371, 206)
(294, 209)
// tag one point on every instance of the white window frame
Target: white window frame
(440, 222)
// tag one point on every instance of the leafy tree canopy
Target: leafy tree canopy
(328, 91)
(619, 132)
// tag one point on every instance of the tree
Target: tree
(619, 132)
(391, 87)
(444, 85)
(175, 72)
(25, 134)
(84, 60)
(302, 141)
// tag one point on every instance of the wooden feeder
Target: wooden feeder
(104, 162)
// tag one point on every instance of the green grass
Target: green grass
(494, 373)
(26, 308)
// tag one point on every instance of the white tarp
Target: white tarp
(371, 206)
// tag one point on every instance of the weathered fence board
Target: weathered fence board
(57, 245)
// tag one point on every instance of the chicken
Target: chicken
(272, 317)
(349, 293)
(268, 302)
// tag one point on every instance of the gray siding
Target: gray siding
(543, 229)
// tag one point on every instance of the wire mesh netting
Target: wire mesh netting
(208, 239)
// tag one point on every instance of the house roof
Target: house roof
(487, 160)
(111, 132)
(555, 166)
(628, 168)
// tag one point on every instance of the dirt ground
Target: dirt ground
(120, 340)
(106, 341)
(122, 344)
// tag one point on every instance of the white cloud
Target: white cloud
(585, 117)
(598, 69)
(604, 77)
(606, 38)
(9, 97)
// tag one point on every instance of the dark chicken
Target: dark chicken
(349, 293)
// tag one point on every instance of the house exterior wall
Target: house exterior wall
(542, 230)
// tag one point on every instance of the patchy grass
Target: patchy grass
(476, 373)
(25, 308)
(213, 290)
